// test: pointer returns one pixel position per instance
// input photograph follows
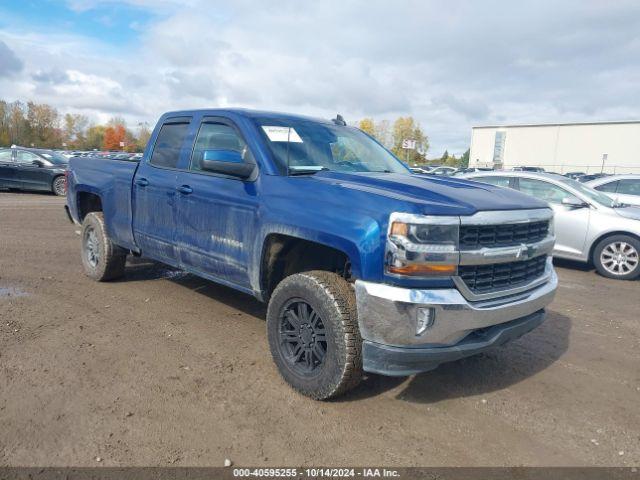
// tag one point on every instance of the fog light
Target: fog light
(424, 319)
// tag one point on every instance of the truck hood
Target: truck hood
(433, 195)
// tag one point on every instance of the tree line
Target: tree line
(40, 125)
(392, 135)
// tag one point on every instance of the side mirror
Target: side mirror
(574, 202)
(227, 162)
(38, 163)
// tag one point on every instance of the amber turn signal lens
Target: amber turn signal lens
(399, 228)
(423, 269)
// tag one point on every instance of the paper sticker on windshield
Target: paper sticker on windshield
(281, 134)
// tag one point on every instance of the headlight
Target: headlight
(422, 246)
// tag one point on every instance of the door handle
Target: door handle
(185, 189)
(142, 182)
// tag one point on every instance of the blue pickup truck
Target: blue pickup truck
(365, 267)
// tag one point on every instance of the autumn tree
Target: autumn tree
(113, 136)
(405, 128)
(367, 126)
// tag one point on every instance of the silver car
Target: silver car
(589, 225)
(623, 188)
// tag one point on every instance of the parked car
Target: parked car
(623, 188)
(443, 171)
(33, 169)
(589, 225)
(462, 171)
(574, 175)
(364, 266)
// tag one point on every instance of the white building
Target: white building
(612, 147)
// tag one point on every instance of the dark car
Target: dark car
(589, 177)
(33, 169)
(574, 175)
(528, 169)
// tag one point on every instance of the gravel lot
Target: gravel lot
(164, 368)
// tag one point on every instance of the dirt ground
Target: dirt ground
(164, 368)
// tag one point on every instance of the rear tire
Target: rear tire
(59, 186)
(312, 326)
(101, 258)
(618, 256)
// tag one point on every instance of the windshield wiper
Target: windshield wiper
(305, 171)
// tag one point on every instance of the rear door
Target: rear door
(154, 192)
(216, 212)
(33, 176)
(7, 169)
(629, 191)
(571, 224)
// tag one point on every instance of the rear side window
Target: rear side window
(497, 181)
(608, 187)
(5, 155)
(166, 152)
(629, 186)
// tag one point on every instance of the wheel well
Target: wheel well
(284, 255)
(88, 202)
(607, 235)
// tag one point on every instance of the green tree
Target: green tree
(464, 159)
(142, 138)
(95, 137)
(74, 126)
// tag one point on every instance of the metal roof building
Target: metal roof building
(612, 147)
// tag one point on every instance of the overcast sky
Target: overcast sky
(449, 64)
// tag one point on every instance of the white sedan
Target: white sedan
(623, 188)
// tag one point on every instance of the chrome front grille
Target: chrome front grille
(502, 276)
(502, 235)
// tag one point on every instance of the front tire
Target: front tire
(618, 257)
(312, 326)
(59, 186)
(101, 258)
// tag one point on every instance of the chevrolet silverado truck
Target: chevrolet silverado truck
(365, 267)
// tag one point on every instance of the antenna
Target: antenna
(339, 120)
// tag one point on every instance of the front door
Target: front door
(216, 213)
(32, 176)
(571, 223)
(154, 193)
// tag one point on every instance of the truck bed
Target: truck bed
(112, 181)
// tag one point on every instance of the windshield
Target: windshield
(590, 193)
(55, 158)
(308, 146)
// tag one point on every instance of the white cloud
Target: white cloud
(449, 64)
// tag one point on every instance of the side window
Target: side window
(629, 186)
(5, 156)
(217, 136)
(608, 187)
(545, 191)
(166, 151)
(26, 158)
(497, 181)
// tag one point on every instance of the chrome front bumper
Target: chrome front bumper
(388, 315)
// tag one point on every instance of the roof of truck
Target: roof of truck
(246, 112)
